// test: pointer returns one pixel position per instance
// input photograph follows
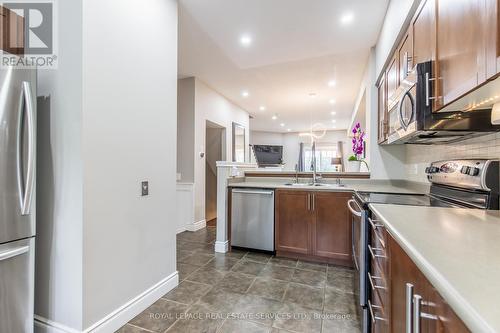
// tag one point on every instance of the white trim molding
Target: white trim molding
(118, 317)
(185, 206)
(44, 325)
(221, 247)
(196, 225)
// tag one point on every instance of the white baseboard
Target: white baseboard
(180, 229)
(221, 247)
(44, 325)
(120, 316)
(197, 225)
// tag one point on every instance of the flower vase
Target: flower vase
(354, 166)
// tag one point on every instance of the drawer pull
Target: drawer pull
(374, 286)
(418, 314)
(382, 242)
(372, 314)
(372, 253)
(374, 224)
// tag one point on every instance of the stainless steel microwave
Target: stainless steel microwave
(411, 120)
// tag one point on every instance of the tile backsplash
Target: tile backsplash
(418, 157)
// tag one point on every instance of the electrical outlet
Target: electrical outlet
(144, 188)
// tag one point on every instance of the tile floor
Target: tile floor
(240, 292)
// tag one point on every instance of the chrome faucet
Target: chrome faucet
(316, 178)
(296, 173)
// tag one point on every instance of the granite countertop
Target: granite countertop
(348, 186)
(458, 250)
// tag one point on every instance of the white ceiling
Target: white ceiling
(297, 47)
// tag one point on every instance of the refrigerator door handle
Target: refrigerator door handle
(13, 252)
(26, 187)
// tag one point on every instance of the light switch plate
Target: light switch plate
(144, 188)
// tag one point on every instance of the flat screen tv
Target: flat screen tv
(267, 155)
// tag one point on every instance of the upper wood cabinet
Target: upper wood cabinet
(382, 110)
(392, 77)
(405, 56)
(293, 219)
(314, 225)
(462, 40)
(461, 51)
(12, 32)
(423, 31)
(332, 234)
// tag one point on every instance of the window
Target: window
(324, 155)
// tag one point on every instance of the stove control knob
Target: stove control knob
(428, 170)
(474, 171)
(465, 170)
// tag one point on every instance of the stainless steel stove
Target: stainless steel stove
(470, 184)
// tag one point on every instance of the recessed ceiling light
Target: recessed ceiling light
(262, 108)
(332, 101)
(282, 125)
(334, 121)
(332, 83)
(245, 40)
(245, 93)
(274, 117)
(289, 130)
(333, 113)
(347, 18)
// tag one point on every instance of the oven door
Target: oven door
(358, 248)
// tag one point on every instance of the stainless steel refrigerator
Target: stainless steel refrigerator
(17, 198)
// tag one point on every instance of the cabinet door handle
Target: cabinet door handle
(313, 199)
(308, 201)
(372, 252)
(372, 313)
(375, 225)
(428, 97)
(409, 310)
(374, 286)
(418, 314)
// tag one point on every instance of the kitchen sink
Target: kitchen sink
(315, 185)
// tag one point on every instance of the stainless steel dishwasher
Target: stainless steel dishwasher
(252, 218)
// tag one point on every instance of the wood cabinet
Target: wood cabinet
(436, 315)
(313, 225)
(12, 32)
(462, 40)
(392, 78)
(405, 56)
(293, 222)
(331, 230)
(382, 110)
(461, 57)
(423, 30)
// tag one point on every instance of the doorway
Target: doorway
(215, 151)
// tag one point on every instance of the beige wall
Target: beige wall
(185, 129)
(129, 135)
(58, 280)
(210, 106)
